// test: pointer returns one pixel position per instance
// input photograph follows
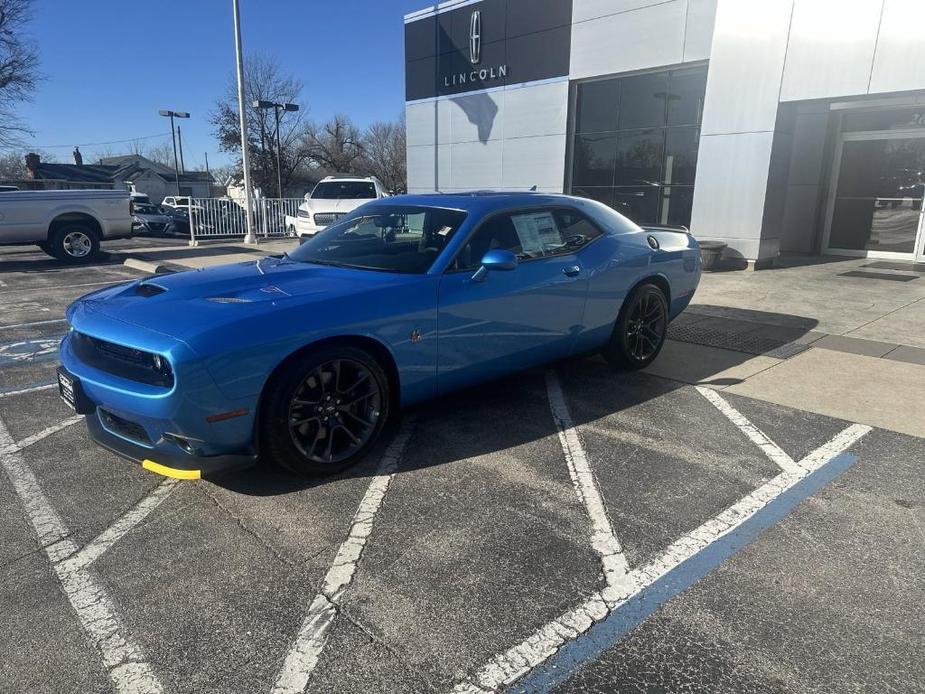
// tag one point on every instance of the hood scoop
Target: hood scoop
(147, 289)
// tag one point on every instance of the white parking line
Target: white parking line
(14, 447)
(758, 437)
(305, 651)
(630, 609)
(603, 539)
(94, 549)
(123, 660)
(23, 391)
(29, 325)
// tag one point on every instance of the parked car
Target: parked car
(66, 224)
(176, 201)
(149, 219)
(332, 198)
(301, 359)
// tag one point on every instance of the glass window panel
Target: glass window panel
(594, 160)
(601, 194)
(681, 155)
(677, 202)
(639, 203)
(639, 157)
(891, 119)
(597, 106)
(642, 100)
(685, 103)
(875, 224)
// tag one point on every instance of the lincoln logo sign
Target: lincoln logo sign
(483, 74)
(475, 37)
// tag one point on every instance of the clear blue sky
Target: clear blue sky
(110, 65)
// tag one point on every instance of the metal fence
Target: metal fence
(225, 218)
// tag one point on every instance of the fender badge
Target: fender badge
(416, 335)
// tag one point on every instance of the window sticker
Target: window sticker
(537, 232)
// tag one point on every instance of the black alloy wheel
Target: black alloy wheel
(325, 411)
(641, 328)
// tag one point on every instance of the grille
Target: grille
(322, 219)
(123, 427)
(119, 360)
(157, 226)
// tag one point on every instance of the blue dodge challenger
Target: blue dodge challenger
(302, 359)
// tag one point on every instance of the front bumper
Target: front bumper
(168, 427)
(176, 465)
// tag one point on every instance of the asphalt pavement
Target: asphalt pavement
(570, 529)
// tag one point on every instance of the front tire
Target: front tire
(640, 331)
(74, 243)
(324, 411)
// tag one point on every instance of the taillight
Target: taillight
(131, 206)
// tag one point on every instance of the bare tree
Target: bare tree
(335, 146)
(384, 154)
(264, 80)
(162, 153)
(18, 67)
(13, 164)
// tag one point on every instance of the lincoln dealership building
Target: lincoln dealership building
(793, 126)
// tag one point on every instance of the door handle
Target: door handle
(571, 270)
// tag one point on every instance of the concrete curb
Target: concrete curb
(152, 266)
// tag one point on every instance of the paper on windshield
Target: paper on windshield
(537, 231)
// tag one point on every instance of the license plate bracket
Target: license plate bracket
(69, 389)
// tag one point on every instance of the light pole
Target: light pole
(250, 238)
(173, 135)
(260, 103)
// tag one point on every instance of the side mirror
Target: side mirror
(496, 259)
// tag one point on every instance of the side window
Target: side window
(528, 235)
(576, 229)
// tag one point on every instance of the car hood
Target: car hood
(187, 304)
(327, 205)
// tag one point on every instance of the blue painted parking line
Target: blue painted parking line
(626, 616)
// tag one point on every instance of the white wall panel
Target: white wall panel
(747, 61)
(475, 165)
(634, 40)
(729, 191)
(534, 161)
(536, 110)
(899, 63)
(420, 160)
(698, 35)
(831, 48)
(583, 10)
(419, 123)
(476, 117)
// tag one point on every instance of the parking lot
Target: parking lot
(571, 529)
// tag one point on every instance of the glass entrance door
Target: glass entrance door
(880, 187)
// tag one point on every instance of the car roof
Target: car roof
(483, 200)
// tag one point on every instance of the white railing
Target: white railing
(211, 218)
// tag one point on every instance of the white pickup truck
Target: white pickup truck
(66, 224)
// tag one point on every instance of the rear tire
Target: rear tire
(74, 243)
(640, 330)
(324, 410)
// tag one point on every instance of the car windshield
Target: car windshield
(146, 208)
(344, 190)
(401, 239)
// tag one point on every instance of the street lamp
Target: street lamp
(173, 134)
(250, 238)
(261, 104)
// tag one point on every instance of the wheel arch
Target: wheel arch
(659, 280)
(63, 218)
(377, 349)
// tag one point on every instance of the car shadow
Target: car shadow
(514, 411)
